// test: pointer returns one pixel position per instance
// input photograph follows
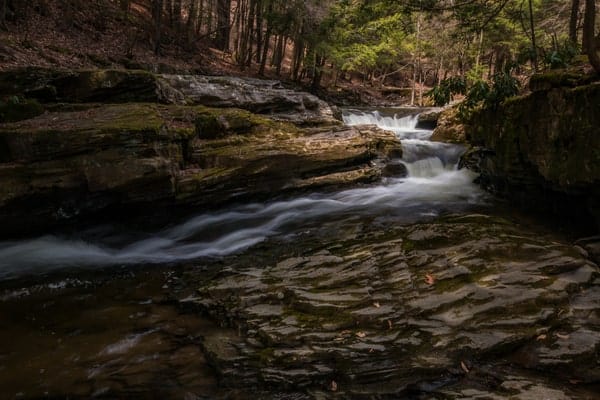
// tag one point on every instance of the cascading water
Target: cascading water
(422, 157)
(433, 185)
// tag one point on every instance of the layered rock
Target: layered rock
(121, 86)
(257, 95)
(434, 309)
(428, 118)
(449, 128)
(61, 165)
(543, 148)
(111, 86)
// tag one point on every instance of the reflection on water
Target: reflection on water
(114, 337)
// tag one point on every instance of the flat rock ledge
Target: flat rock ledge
(68, 164)
(261, 96)
(469, 307)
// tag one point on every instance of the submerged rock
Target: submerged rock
(63, 165)
(400, 311)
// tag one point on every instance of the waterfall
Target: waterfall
(394, 123)
(405, 127)
(423, 158)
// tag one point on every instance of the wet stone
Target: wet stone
(401, 308)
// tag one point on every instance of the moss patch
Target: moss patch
(16, 108)
(559, 78)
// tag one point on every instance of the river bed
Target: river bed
(420, 286)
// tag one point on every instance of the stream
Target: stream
(420, 286)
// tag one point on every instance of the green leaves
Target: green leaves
(442, 93)
(488, 94)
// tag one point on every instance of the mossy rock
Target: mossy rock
(56, 135)
(450, 128)
(213, 123)
(17, 109)
(559, 78)
(49, 85)
(34, 80)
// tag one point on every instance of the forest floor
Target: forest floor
(85, 41)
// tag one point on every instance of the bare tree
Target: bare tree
(589, 42)
(573, 21)
(3, 6)
(223, 24)
(157, 6)
(534, 51)
(124, 5)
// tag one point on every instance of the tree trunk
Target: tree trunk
(533, 43)
(177, 16)
(191, 22)
(259, 27)
(589, 43)
(223, 24)
(200, 17)
(479, 48)
(266, 42)
(318, 72)
(243, 23)
(3, 5)
(209, 15)
(416, 60)
(573, 21)
(250, 30)
(236, 27)
(298, 55)
(279, 54)
(157, 6)
(265, 51)
(169, 7)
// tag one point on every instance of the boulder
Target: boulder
(428, 118)
(51, 85)
(120, 86)
(15, 108)
(65, 165)
(395, 169)
(450, 128)
(543, 149)
(257, 95)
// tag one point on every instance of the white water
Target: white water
(433, 185)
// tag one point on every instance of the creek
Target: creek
(415, 287)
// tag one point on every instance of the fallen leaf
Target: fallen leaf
(361, 334)
(541, 337)
(376, 304)
(464, 367)
(429, 279)
(371, 350)
(333, 386)
(389, 324)
(561, 336)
